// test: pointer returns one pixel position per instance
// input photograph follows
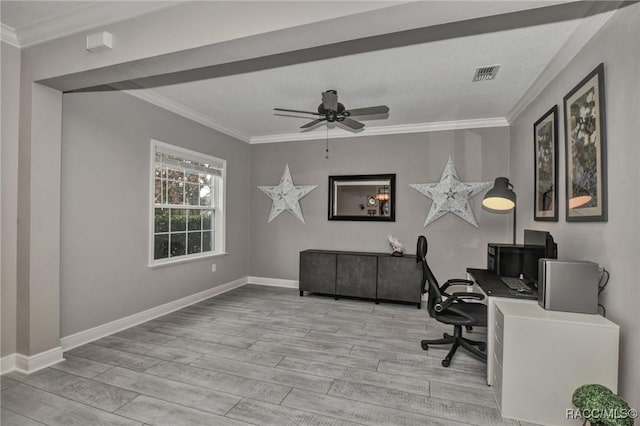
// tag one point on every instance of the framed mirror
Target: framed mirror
(363, 197)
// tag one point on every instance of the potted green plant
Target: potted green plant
(599, 406)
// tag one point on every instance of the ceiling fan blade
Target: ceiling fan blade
(282, 114)
(313, 123)
(330, 100)
(352, 123)
(296, 110)
(380, 109)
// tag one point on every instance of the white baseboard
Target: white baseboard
(95, 333)
(28, 364)
(7, 363)
(274, 282)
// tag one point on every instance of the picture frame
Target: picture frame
(585, 150)
(545, 140)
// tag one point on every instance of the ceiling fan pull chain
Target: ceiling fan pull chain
(327, 144)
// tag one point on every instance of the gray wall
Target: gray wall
(10, 89)
(105, 209)
(615, 244)
(479, 155)
(40, 118)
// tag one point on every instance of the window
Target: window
(187, 204)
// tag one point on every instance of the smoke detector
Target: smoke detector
(487, 72)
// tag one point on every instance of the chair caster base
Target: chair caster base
(476, 348)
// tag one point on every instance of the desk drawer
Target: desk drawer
(498, 330)
(496, 387)
(497, 371)
(498, 350)
(499, 316)
(498, 324)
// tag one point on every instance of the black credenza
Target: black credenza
(377, 276)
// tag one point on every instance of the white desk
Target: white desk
(540, 357)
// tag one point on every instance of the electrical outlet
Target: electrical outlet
(213, 267)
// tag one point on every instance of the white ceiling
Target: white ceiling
(20, 14)
(422, 83)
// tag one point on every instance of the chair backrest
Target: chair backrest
(428, 278)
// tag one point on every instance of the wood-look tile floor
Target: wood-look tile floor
(261, 356)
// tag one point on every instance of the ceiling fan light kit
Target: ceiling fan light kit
(330, 110)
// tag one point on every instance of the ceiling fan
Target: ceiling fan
(330, 110)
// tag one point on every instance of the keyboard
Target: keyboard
(516, 284)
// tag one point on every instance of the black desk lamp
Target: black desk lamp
(501, 198)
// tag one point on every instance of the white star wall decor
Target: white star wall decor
(450, 195)
(286, 196)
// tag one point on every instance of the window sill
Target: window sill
(178, 261)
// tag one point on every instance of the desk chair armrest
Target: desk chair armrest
(466, 295)
(455, 281)
(457, 297)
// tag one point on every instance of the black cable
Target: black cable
(604, 280)
(602, 284)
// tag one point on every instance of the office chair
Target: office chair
(452, 309)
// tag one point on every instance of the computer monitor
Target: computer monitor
(541, 238)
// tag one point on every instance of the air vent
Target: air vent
(486, 73)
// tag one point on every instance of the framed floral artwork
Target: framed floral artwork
(586, 160)
(545, 139)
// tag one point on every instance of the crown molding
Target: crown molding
(168, 104)
(163, 102)
(587, 28)
(83, 18)
(384, 130)
(8, 35)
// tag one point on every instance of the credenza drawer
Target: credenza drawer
(356, 275)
